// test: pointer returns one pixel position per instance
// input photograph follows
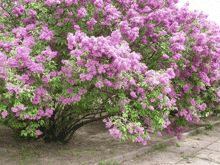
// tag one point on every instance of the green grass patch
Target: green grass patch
(161, 147)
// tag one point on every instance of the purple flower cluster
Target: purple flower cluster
(19, 10)
(11, 88)
(188, 59)
(91, 23)
(81, 12)
(32, 13)
(45, 34)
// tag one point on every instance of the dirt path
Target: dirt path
(92, 143)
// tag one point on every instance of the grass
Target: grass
(77, 153)
(177, 145)
(149, 151)
(209, 126)
(73, 153)
(24, 153)
(187, 156)
(218, 124)
(161, 147)
(198, 131)
(138, 155)
(205, 120)
(107, 163)
(206, 134)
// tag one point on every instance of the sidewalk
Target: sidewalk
(200, 147)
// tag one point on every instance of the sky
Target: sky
(209, 7)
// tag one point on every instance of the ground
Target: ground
(90, 144)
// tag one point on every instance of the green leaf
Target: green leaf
(145, 135)
(125, 115)
(23, 133)
(2, 107)
(41, 122)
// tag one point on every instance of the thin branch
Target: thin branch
(72, 131)
(151, 55)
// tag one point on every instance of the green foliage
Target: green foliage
(198, 131)
(16, 135)
(107, 163)
(181, 122)
(98, 100)
(177, 145)
(162, 147)
(209, 126)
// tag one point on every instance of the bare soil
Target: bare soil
(90, 144)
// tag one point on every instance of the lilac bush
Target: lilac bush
(67, 63)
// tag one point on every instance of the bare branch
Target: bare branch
(72, 130)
